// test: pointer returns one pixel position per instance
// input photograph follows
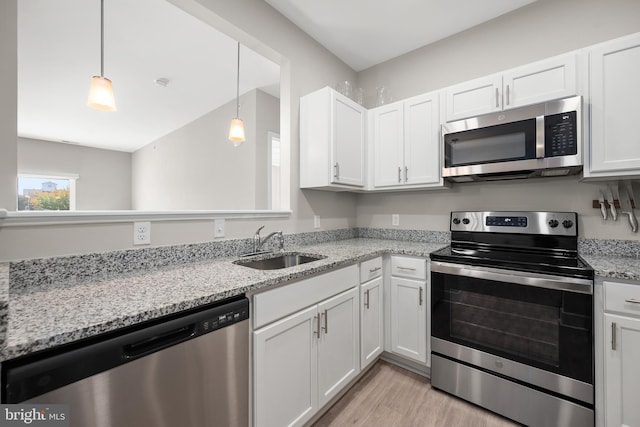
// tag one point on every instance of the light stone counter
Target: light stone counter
(43, 317)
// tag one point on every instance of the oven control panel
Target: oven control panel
(552, 223)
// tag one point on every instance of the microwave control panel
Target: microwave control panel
(560, 134)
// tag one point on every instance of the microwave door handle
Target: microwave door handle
(540, 137)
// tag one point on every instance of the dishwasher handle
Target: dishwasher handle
(156, 342)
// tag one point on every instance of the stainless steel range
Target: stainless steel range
(512, 317)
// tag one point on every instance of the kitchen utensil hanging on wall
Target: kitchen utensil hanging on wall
(625, 195)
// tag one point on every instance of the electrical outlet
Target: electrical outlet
(218, 227)
(395, 219)
(141, 233)
(316, 221)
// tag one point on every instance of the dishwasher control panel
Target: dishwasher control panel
(226, 317)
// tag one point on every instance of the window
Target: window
(46, 193)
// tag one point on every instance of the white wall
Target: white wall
(197, 167)
(104, 175)
(8, 100)
(542, 29)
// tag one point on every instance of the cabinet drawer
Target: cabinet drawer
(370, 269)
(280, 302)
(622, 298)
(414, 268)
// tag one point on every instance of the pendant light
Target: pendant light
(236, 130)
(101, 90)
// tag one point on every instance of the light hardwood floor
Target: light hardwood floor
(389, 396)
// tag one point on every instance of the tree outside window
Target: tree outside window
(42, 193)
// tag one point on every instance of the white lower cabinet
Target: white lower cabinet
(285, 373)
(622, 354)
(408, 319)
(408, 289)
(371, 321)
(305, 359)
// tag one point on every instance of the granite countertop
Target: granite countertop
(614, 267)
(65, 312)
(53, 314)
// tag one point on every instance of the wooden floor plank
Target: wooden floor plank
(389, 396)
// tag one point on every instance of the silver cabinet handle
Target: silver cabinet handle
(406, 268)
(420, 302)
(399, 174)
(326, 323)
(336, 170)
(507, 94)
(406, 174)
(366, 299)
(632, 301)
(317, 320)
(497, 98)
(373, 270)
(613, 335)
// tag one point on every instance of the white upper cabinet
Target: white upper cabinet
(540, 81)
(332, 141)
(615, 102)
(474, 98)
(406, 143)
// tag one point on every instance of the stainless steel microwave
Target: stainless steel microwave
(537, 140)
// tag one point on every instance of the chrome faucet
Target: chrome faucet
(258, 242)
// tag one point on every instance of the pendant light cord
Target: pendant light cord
(237, 85)
(102, 38)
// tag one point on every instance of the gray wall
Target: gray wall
(104, 175)
(197, 167)
(305, 67)
(539, 30)
(545, 28)
(8, 100)
(542, 29)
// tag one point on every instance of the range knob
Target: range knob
(465, 221)
(456, 221)
(553, 223)
(567, 223)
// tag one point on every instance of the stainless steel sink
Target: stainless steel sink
(278, 261)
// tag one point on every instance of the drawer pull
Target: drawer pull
(366, 302)
(613, 335)
(373, 270)
(406, 268)
(420, 303)
(632, 301)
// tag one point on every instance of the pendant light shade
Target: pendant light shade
(236, 129)
(101, 90)
(101, 94)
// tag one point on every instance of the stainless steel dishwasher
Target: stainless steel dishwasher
(190, 370)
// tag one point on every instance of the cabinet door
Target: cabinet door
(408, 318)
(371, 321)
(338, 355)
(615, 102)
(622, 371)
(473, 98)
(285, 370)
(542, 81)
(348, 139)
(388, 139)
(422, 140)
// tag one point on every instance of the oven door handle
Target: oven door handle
(548, 281)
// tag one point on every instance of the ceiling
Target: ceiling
(363, 33)
(59, 51)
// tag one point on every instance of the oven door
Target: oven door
(534, 328)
